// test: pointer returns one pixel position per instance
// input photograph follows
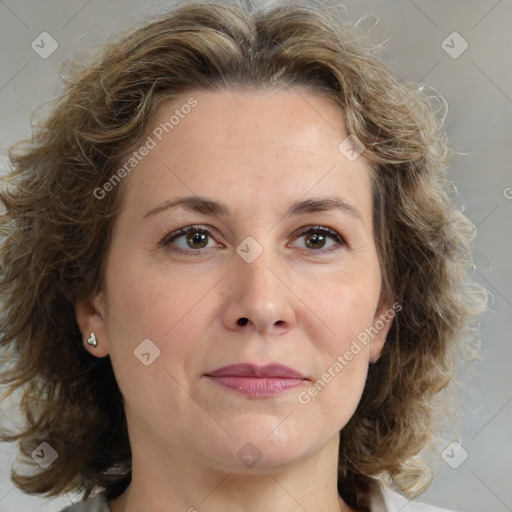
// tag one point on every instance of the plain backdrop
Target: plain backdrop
(425, 42)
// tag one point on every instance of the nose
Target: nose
(259, 298)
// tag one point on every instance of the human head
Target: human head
(60, 247)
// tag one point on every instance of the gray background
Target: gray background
(477, 86)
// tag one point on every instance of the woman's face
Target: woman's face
(278, 266)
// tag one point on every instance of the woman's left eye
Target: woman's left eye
(316, 237)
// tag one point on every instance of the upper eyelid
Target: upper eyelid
(211, 231)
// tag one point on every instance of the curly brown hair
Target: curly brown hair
(57, 234)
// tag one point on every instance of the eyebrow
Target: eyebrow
(211, 207)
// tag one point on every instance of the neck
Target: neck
(163, 483)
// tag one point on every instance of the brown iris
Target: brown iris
(315, 241)
(201, 239)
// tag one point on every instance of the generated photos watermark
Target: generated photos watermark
(157, 135)
(362, 339)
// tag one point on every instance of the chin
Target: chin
(253, 447)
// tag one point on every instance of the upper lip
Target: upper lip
(252, 370)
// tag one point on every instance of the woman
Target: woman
(232, 276)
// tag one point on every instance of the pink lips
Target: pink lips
(257, 381)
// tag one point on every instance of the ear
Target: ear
(381, 324)
(90, 315)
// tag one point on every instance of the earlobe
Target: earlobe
(90, 318)
(381, 324)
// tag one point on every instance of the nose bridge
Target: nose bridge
(256, 283)
(258, 297)
(256, 277)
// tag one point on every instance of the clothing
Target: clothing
(97, 504)
(383, 500)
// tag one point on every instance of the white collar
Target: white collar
(383, 499)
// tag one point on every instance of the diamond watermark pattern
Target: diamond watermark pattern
(147, 352)
(44, 45)
(249, 455)
(454, 455)
(351, 148)
(44, 455)
(454, 45)
(249, 249)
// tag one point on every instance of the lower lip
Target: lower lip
(258, 387)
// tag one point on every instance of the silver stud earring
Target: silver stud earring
(92, 340)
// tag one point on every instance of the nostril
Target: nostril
(242, 321)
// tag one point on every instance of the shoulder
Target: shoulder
(383, 499)
(98, 503)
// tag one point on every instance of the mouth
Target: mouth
(257, 381)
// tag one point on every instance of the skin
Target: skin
(305, 299)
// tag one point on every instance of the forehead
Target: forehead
(252, 146)
(294, 117)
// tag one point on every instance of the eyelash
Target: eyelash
(314, 230)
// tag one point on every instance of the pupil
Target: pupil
(316, 239)
(197, 238)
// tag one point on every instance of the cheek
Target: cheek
(165, 307)
(162, 309)
(141, 301)
(343, 308)
(342, 366)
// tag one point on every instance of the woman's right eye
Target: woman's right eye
(190, 239)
